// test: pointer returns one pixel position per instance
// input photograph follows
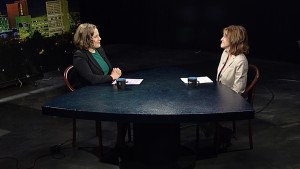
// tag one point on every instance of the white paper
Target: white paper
(202, 79)
(185, 80)
(131, 81)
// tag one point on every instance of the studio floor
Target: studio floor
(27, 136)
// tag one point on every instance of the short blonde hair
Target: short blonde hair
(83, 36)
(238, 39)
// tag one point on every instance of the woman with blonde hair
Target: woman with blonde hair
(233, 66)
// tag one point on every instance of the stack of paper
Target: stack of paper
(131, 81)
(202, 79)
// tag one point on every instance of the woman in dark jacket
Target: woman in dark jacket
(92, 65)
(90, 60)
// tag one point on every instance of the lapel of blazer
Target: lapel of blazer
(229, 62)
(93, 60)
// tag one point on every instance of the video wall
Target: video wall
(35, 37)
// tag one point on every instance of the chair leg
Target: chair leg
(74, 133)
(197, 136)
(217, 138)
(250, 134)
(233, 129)
(99, 134)
(97, 129)
(129, 133)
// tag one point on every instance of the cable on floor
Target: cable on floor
(17, 161)
(273, 95)
(289, 80)
(270, 100)
(55, 153)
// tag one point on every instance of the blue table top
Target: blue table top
(161, 97)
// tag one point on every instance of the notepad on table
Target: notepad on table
(131, 81)
(202, 79)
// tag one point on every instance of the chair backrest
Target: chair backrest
(252, 78)
(71, 78)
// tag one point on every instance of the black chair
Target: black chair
(72, 82)
(71, 79)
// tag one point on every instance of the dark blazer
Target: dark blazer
(88, 69)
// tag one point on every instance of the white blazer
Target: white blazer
(234, 74)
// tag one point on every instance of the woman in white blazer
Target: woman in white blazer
(232, 70)
(233, 65)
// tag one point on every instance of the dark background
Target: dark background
(193, 24)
